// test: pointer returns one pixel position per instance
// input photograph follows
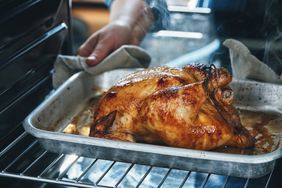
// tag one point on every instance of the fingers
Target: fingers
(87, 47)
(100, 52)
(102, 43)
(95, 48)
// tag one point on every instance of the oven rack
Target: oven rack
(24, 159)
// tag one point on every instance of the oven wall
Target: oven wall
(32, 33)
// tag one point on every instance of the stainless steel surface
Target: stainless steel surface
(48, 120)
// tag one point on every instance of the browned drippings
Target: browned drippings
(264, 127)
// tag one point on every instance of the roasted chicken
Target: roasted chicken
(191, 107)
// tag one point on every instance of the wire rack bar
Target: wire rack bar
(12, 144)
(46, 180)
(247, 183)
(269, 178)
(31, 164)
(145, 175)
(86, 170)
(164, 178)
(184, 179)
(18, 157)
(123, 176)
(205, 181)
(67, 169)
(103, 175)
(50, 165)
(226, 181)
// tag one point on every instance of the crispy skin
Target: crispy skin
(190, 107)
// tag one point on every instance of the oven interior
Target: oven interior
(33, 32)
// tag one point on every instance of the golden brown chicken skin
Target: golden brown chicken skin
(191, 107)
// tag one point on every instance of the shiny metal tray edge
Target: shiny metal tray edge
(250, 166)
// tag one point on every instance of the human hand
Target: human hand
(123, 29)
(109, 38)
(104, 41)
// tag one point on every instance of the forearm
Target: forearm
(131, 13)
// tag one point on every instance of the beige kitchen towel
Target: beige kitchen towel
(127, 56)
(246, 66)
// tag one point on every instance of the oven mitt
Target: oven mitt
(127, 56)
(246, 66)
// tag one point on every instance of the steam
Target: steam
(273, 34)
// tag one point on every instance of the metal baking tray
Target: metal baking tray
(48, 121)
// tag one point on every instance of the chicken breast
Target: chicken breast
(191, 107)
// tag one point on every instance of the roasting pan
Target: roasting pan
(48, 121)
